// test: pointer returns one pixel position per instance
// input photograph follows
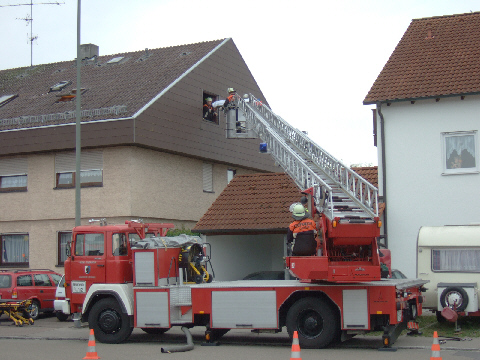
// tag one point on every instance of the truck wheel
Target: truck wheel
(316, 322)
(108, 322)
(155, 331)
(452, 295)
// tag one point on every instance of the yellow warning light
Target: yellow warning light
(207, 337)
(201, 312)
(385, 341)
(334, 223)
(379, 223)
(379, 312)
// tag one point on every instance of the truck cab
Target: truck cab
(102, 254)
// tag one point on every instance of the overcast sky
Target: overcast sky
(315, 61)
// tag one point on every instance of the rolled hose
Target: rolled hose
(181, 348)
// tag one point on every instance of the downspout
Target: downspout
(384, 171)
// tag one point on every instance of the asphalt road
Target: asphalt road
(49, 339)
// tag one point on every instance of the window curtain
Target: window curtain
(14, 181)
(456, 260)
(15, 248)
(65, 238)
(460, 143)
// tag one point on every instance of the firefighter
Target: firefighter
(301, 233)
(230, 98)
(208, 111)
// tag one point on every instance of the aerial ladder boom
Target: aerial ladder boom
(348, 204)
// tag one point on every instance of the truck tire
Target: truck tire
(155, 331)
(454, 294)
(108, 322)
(316, 322)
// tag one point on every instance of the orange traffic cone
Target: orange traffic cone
(295, 348)
(435, 348)
(91, 352)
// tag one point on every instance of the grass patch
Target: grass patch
(470, 327)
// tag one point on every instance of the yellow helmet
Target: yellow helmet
(230, 90)
(298, 212)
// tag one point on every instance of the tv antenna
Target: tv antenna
(29, 20)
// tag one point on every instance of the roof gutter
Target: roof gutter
(384, 171)
(179, 78)
(375, 102)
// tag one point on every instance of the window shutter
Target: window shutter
(207, 177)
(90, 160)
(14, 166)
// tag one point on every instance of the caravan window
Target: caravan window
(466, 260)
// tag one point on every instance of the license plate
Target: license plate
(79, 287)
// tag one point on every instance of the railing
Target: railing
(262, 120)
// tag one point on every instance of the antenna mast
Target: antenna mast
(29, 19)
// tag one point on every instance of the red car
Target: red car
(38, 285)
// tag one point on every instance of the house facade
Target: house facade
(427, 101)
(147, 151)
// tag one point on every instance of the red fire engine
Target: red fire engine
(121, 277)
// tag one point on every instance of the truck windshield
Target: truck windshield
(89, 244)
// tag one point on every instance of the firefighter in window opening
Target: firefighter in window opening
(230, 98)
(301, 233)
(209, 112)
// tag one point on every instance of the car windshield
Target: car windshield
(5, 281)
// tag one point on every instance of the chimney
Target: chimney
(87, 51)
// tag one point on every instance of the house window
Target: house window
(63, 243)
(14, 250)
(91, 173)
(13, 174)
(209, 112)
(207, 177)
(460, 152)
(456, 260)
(231, 174)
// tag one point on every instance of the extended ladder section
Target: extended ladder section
(340, 191)
(348, 203)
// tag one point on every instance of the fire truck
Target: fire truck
(121, 277)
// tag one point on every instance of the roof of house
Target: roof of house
(436, 57)
(255, 202)
(369, 173)
(116, 86)
(260, 203)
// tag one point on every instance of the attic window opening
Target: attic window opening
(5, 99)
(115, 60)
(210, 113)
(59, 86)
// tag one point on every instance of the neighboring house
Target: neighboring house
(427, 118)
(147, 152)
(247, 224)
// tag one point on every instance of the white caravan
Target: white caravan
(449, 257)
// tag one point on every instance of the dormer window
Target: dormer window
(5, 99)
(115, 60)
(60, 86)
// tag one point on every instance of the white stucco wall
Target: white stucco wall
(417, 192)
(235, 256)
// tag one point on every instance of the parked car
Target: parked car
(60, 295)
(397, 274)
(267, 275)
(38, 285)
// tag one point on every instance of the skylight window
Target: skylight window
(59, 86)
(5, 99)
(115, 60)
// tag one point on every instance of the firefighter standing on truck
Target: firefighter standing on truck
(301, 233)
